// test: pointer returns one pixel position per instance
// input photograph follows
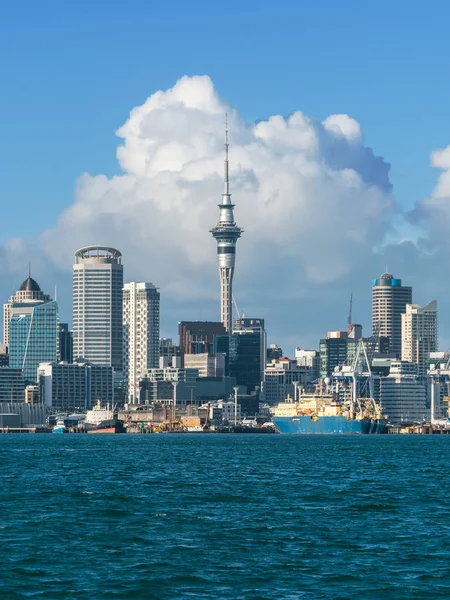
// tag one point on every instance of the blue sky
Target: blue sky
(71, 71)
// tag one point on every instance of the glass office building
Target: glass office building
(33, 337)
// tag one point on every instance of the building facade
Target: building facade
(198, 337)
(29, 293)
(97, 306)
(65, 343)
(208, 365)
(247, 354)
(33, 337)
(280, 379)
(12, 385)
(419, 334)
(75, 386)
(309, 358)
(141, 333)
(389, 300)
(402, 396)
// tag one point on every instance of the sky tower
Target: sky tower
(226, 232)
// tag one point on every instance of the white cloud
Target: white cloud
(312, 198)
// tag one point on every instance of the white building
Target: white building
(207, 365)
(97, 306)
(140, 332)
(309, 358)
(419, 334)
(402, 397)
(279, 379)
(226, 409)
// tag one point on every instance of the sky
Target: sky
(338, 130)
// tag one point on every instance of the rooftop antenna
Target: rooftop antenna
(226, 191)
(349, 320)
(56, 293)
(29, 269)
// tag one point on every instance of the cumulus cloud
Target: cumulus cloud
(313, 200)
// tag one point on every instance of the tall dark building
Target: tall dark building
(389, 300)
(197, 337)
(247, 356)
(65, 343)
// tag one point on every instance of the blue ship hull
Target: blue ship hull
(334, 425)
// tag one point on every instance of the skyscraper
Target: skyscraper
(226, 233)
(247, 354)
(28, 292)
(33, 337)
(141, 332)
(97, 306)
(389, 300)
(419, 334)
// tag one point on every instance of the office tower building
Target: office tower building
(198, 337)
(419, 334)
(76, 386)
(247, 354)
(65, 343)
(97, 306)
(274, 352)
(29, 292)
(141, 333)
(226, 233)
(33, 336)
(389, 300)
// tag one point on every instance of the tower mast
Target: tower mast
(226, 233)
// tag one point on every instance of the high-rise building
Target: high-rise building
(97, 306)
(65, 343)
(33, 337)
(29, 292)
(141, 333)
(247, 354)
(389, 300)
(419, 334)
(226, 233)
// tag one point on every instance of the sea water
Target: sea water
(224, 516)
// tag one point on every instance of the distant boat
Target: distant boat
(60, 427)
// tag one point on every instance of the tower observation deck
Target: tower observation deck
(226, 233)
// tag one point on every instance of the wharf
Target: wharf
(418, 430)
(25, 430)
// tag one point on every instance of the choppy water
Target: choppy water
(224, 516)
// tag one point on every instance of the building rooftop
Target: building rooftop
(29, 285)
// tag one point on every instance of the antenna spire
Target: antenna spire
(29, 269)
(226, 191)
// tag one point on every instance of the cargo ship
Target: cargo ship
(326, 414)
(107, 426)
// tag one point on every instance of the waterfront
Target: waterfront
(224, 516)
